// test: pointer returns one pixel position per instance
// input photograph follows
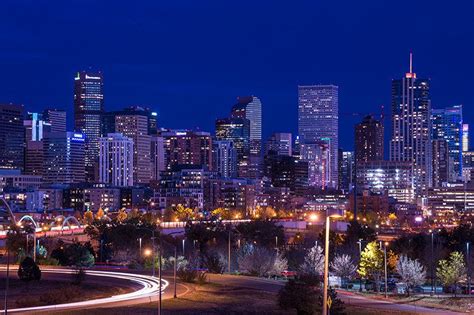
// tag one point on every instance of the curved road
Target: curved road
(147, 289)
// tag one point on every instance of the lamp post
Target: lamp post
(329, 215)
(360, 257)
(468, 258)
(385, 260)
(432, 263)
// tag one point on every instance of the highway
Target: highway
(146, 290)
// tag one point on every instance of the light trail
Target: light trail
(150, 289)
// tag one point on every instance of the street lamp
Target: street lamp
(432, 263)
(360, 257)
(335, 214)
(468, 258)
(385, 260)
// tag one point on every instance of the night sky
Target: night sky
(190, 59)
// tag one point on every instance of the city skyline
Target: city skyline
(150, 75)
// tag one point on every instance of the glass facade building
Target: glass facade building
(318, 119)
(88, 108)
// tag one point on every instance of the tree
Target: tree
(79, 255)
(121, 215)
(451, 271)
(183, 213)
(263, 233)
(29, 270)
(255, 260)
(411, 272)
(280, 264)
(88, 217)
(214, 262)
(371, 263)
(100, 214)
(313, 261)
(299, 294)
(343, 267)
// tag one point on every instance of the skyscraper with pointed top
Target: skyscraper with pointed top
(410, 139)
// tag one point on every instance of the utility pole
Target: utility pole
(228, 254)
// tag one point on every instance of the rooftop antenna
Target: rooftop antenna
(411, 62)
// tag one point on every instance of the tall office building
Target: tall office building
(318, 157)
(116, 160)
(410, 134)
(280, 144)
(442, 165)
(224, 158)
(447, 124)
(88, 108)
(157, 156)
(346, 170)
(369, 140)
(250, 107)
(36, 128)
(185, 147)
(12, 136)
(56, 118)
(64, 157)
(135, 126)
(236, 130)
(465, 137)
(318, 118)
(108, 119)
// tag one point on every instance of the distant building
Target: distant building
(109, 123)
(411, 120)
(236, 130)
(12, 136)
(465, 137)
(369, 138)
(185, 147)
(182, 185)
(229, 194)
(224, 158)
(346, 170)
(287, 171)
(279, 143)
(88, 108)
(447, 124)
(318, 119)
(36, 128)
(250, 107)
(391, 178)
(56, 118)
(116, 160)
(135, 126)
(442, 164)
(318, 157)
(14, 178)
(450, 200)
(158, 161)
(64, 158)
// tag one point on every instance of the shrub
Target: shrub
(187, 274)
(201, 278)
(214, 262)
(29, 270)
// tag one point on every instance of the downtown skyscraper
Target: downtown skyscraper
(447, 124)
(12, 136)
(318, 119)
(410, 133)
(250, 108)
(88, 108)
(369, 140)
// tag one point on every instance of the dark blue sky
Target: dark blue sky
(190, 59)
